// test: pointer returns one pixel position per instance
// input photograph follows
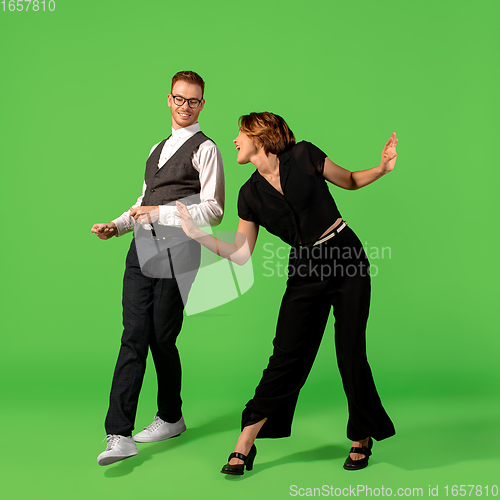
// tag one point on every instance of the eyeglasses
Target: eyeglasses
(192, 103)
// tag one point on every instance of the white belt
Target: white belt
(332, 234)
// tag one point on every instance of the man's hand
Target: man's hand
(145, 215)
(105, 231)
(389, 155)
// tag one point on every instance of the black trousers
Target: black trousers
(152, 318)
(334, 273)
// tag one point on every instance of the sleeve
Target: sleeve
(125, 223)
(317, 157)
(244, 211)
(208, 161)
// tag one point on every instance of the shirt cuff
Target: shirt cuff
(166, 216)
(124, 224)
(203, 214)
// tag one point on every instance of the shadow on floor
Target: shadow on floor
(328, 452)
(454, 440)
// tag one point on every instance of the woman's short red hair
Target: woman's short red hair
(267, 130)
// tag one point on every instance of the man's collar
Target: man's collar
(186, 131)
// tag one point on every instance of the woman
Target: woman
(288, 195)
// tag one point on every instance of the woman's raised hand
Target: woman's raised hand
(389, 154)
(188, 224)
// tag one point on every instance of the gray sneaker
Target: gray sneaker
(118, 448)
(159, 430)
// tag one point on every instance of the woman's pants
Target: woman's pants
(334, 273)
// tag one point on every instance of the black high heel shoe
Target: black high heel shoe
(239, 469)
(351, 464)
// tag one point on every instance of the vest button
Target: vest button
(152, 190)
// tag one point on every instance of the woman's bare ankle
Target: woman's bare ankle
(359, 444)
(246, 440)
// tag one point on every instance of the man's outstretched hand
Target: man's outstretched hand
(105, 231)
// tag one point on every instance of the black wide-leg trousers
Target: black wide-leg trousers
(152, 319)
(334, 273)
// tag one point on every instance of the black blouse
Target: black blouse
(305, 211)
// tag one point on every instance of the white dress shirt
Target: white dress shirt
(207, 160)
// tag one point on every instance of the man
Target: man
(187, 166)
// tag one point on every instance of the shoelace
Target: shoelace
(112, 440)
(157, 421)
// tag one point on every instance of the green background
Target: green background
(83, 100)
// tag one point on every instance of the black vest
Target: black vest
(177, 179)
